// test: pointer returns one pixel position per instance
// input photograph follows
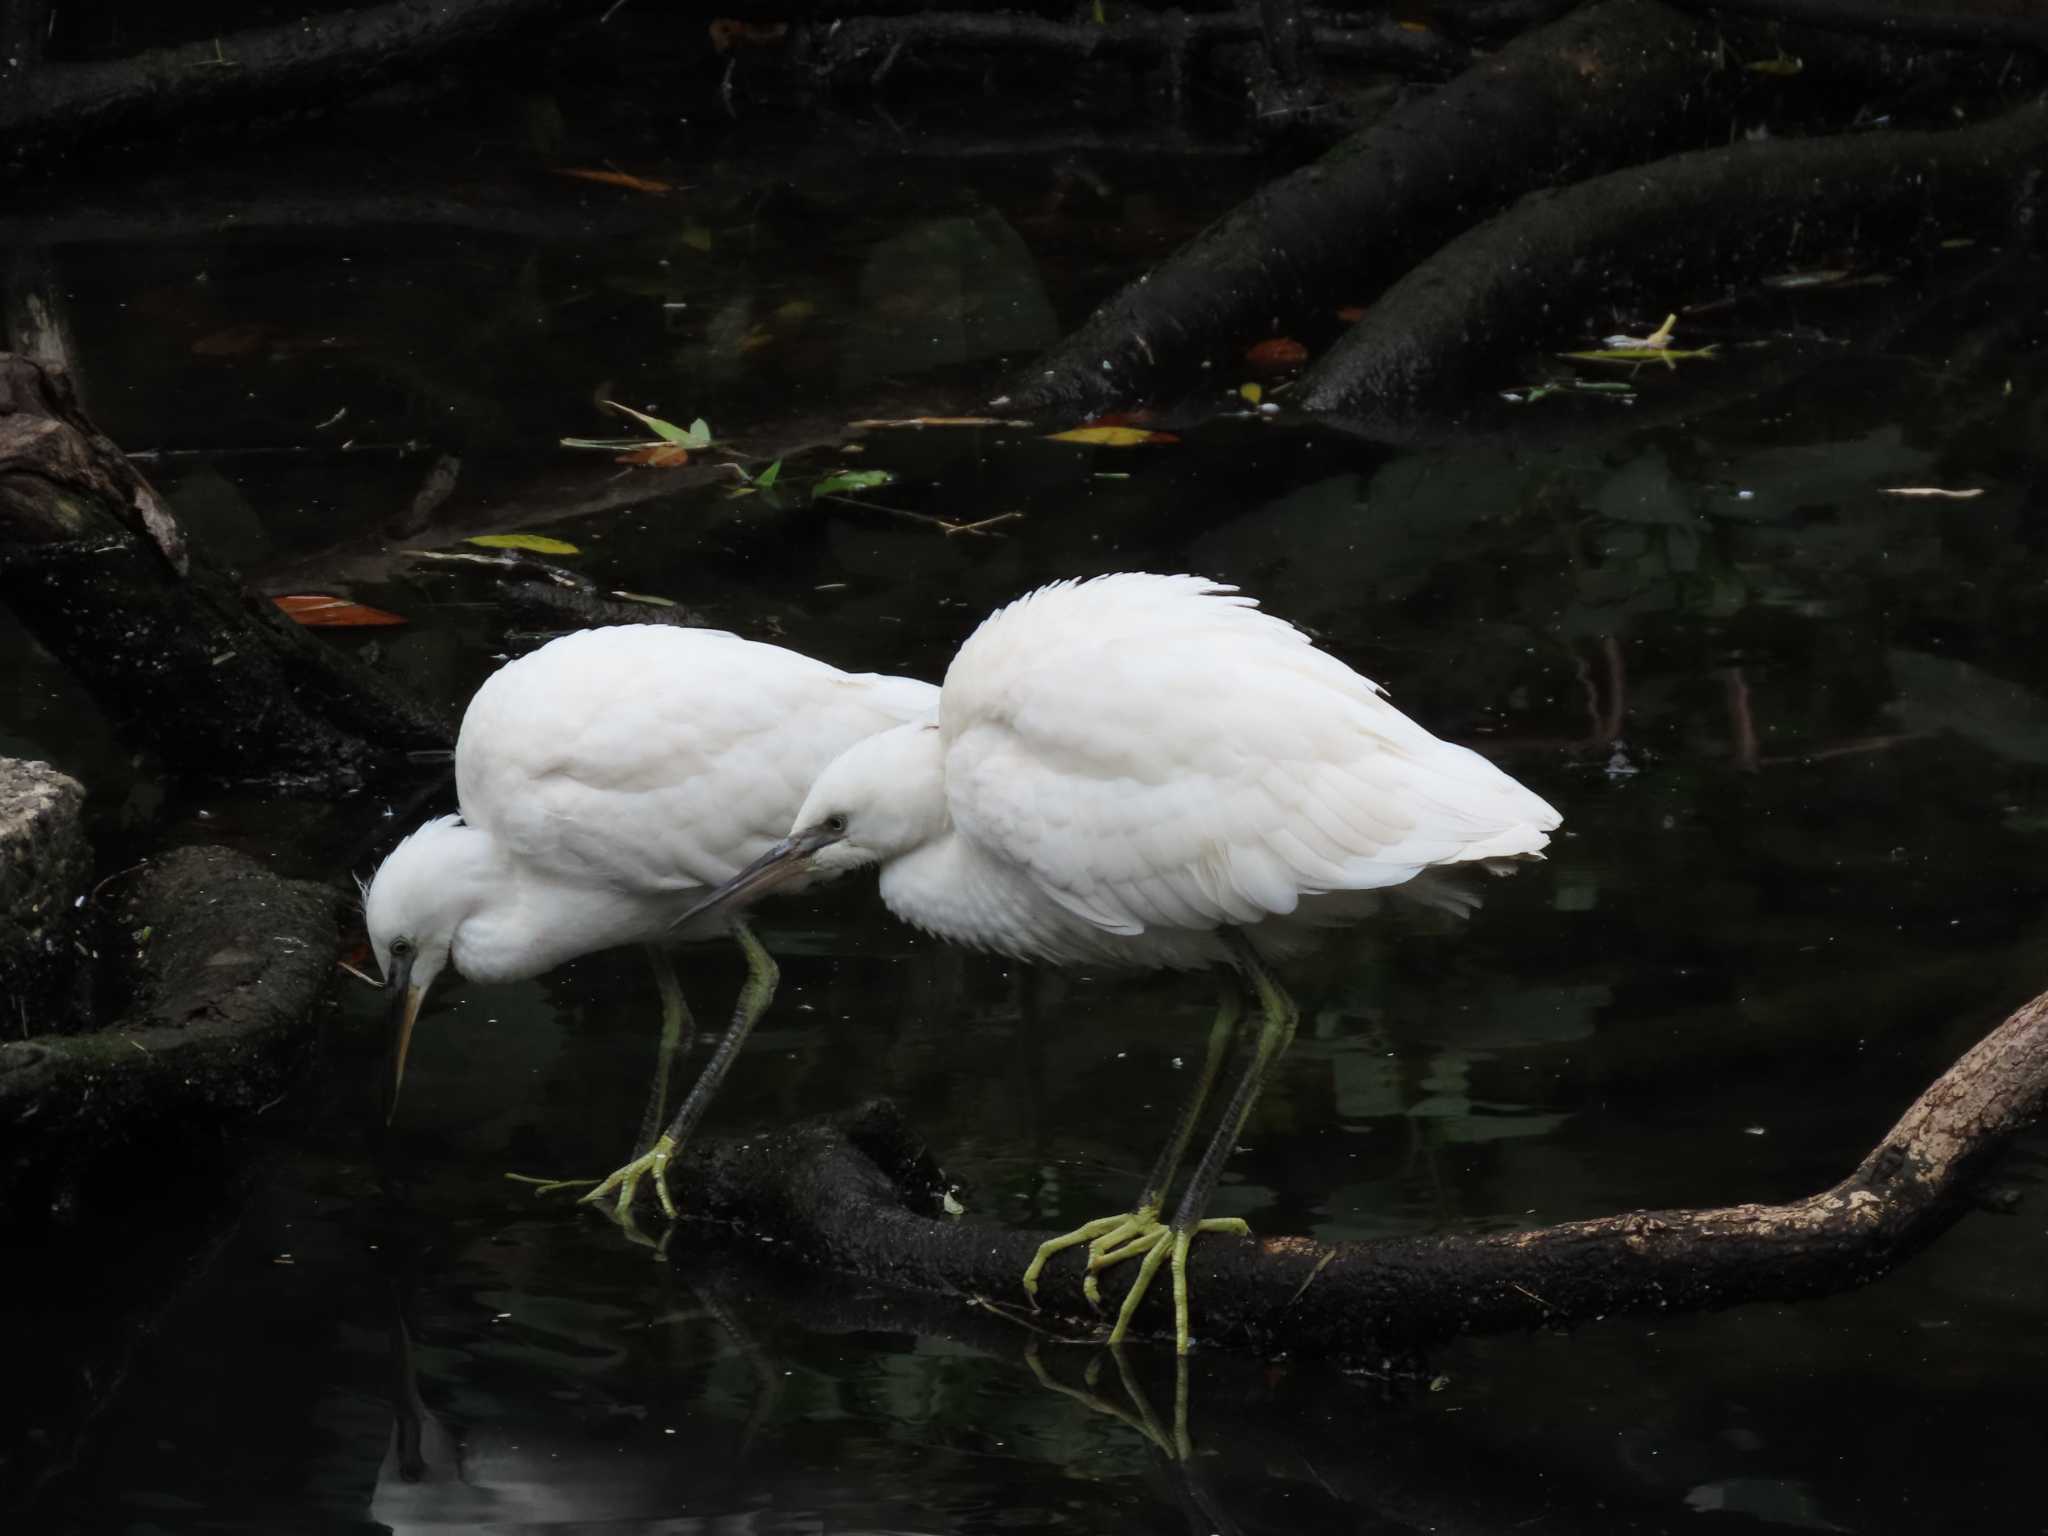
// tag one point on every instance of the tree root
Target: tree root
(286, 66)
(1721, 216)
(174, 647)
(858, 1195)
(1607, 85)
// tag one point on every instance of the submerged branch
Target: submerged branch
(858, 1195)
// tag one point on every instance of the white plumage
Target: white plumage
(605, 781)
(1127, 765)
(1148, 771)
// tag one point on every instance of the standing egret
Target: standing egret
(607, 780)
(1147, 771)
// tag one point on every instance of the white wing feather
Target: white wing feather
(1156, 753)
(653, 759)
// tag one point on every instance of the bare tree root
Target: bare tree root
(1986, 23)
(1613, 83)
(858, 1195)
(173, 646)
(284, 67)
(1663, 231)
(881, 42)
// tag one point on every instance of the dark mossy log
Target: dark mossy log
(1616, 82)
(223, 961)
(55, 106)
(1966, 23)
(1658, 235)
(174, 647)
(859, 1195)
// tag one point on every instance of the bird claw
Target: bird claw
(626, 1180)
(1093, 1233)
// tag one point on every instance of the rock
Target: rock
(45, 868)
(224, 961)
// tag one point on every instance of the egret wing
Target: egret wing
(655, 759)
(1192, 773)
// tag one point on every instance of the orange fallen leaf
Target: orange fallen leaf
(631, 183)
(1278, 353)
(1111, 437)
(1351, 314)
(318, 611)
(656, 456)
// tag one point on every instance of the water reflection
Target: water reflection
(1798, 728)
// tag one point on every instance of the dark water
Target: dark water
(1798, 729)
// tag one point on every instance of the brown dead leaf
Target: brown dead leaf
(726, 33)
(232, 342)
(1351, 314)
(319, 611)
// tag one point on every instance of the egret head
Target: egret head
(414, 905)
(878, 800)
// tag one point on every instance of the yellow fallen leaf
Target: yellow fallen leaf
(1110, 437)
(532, 543)
(1251, 393)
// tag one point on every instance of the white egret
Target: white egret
(606, 781)
(1147, 771)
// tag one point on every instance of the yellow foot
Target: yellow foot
(627, 1180)
(1157, 1247)
(1102, 1233)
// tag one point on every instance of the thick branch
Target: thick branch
(264, 68)
(859, 1196)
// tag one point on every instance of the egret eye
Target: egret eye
(835, 824)
(400, 948)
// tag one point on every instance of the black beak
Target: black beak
(401, 1008)
(779, 865)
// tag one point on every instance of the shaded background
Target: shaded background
(1797, 728)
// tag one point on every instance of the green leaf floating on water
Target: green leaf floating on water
(696, 435)
(532, 543)
(769, 476)
(852, 480)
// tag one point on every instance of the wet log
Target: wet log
(223, 960)
(1619, 81)
(859, 1195)
(210, 674)
(45, 868)
(1658, 235)
(290, 66)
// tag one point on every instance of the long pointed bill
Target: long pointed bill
(401, 1007)
(778, 866)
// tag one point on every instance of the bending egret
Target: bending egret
(607, 780)
(1148, 771)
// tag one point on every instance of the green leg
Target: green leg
(1111, 1238)
(678, 1029)
(1276, 1031)
(755, 996)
